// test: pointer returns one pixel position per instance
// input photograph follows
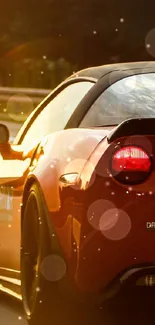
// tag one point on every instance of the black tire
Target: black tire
(45, 302)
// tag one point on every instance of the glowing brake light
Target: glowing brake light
(130, 164)
(131, 159)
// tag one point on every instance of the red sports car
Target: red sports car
(77, 194)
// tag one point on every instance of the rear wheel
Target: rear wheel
(43, 282)
(48, 297)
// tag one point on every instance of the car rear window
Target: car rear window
(130, 97)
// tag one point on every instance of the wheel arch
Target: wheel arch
(32, 180)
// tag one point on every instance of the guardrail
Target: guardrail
(17, 103)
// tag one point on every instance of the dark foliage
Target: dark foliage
(73, 34)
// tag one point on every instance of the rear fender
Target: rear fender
(64, 152)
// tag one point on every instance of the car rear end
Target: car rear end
(118, 218)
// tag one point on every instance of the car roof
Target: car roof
(100, 71)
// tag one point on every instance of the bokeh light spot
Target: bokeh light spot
(150, 42)
(53, 268)
(115, 224)
(96, 210)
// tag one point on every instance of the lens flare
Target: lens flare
(115, 224)
(96, 210)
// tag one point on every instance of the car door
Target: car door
(46, 119)
(11, 186)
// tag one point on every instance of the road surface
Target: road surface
(11, 312)
(134, 310)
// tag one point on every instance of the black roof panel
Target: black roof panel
(100, 71)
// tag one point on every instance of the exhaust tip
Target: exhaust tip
(146, 281)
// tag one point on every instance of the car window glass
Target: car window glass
(57, 113)
(130, 97)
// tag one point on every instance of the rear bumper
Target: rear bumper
(120, 249)
(144, 272)
(140, 275)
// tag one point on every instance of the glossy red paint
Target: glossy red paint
(100, 220)
(97, 250)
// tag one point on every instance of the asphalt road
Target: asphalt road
(126, 310)
(11, 312)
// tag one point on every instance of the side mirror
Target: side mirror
(5, 147)
(4, 134)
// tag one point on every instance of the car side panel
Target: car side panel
(10, 235)
(63, 153)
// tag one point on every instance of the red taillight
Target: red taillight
(131, 159)
(130, 165)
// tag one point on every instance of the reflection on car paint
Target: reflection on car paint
(6, 206)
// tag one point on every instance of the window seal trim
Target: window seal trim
(102, 84)
(48, 99)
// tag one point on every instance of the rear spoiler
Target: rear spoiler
(135, 126)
